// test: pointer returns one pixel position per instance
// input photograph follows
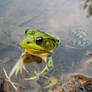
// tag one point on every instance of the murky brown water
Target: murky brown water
(57, 18)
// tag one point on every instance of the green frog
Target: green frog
(38, 44)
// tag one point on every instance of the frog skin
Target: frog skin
(37, 43)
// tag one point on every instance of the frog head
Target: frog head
(36, 41)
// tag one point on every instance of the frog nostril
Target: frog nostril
(28, 42)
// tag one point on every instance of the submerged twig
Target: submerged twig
(8, 79)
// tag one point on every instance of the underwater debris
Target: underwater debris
(86, 87)
(82, 79)
(87, 63)
(9, 80)
(74, 83)
(88, 6)
(4, 87)
(88, 53)
(58, 89)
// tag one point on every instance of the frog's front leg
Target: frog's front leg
(49, 67)
(18, 67)
(50, 63)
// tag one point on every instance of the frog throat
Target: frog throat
(40, 53)
(35, 51)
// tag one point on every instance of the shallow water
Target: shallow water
(56, 18)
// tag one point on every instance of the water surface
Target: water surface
(57, 18)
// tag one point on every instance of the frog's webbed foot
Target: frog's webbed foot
(18, 67)
(9, 80)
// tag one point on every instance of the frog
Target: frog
(38, 44)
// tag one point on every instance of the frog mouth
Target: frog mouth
(33, 49)
(37, 51)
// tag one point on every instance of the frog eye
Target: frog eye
(26, 31)
(39, 40)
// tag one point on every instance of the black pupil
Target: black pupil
(39, 40)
